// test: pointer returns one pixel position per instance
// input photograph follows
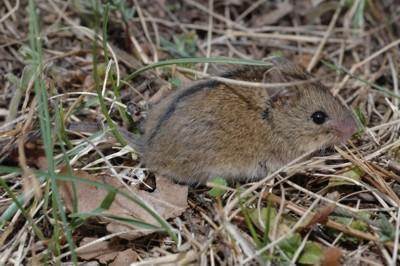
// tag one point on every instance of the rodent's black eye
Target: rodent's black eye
(319, 117)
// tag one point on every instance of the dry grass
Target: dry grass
(343, 203)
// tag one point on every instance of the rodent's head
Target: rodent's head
(308, 114)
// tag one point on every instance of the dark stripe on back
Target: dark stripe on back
(171, 108)
(242, 73)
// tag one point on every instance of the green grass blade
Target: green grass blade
(96, 78)
(375, 86)
(45, 128)
(179, 61)
(17, 202)
(126, 220)
(108, 200)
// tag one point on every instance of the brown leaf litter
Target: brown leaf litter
(168, 199)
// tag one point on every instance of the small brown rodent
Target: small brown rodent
(213, 129)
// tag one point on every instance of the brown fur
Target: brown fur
(214, 129)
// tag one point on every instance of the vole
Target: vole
(215, 129)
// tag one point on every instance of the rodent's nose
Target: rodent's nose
(346, 127)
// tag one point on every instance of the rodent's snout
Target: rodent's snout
(345, 128)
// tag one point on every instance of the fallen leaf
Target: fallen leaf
(312, 254)
(216, 191)
(125, 258)
(290, 244)
(168, 199)
(356, 224)
(320, 216)
(86, 263)
(387, 232)
(257, 216)
(88, 197)
(101, 251)
(332, 256)
(354, 174)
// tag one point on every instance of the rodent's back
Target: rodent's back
(166, 108)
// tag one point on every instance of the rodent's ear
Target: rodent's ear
(283, 72)
(284, 97)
